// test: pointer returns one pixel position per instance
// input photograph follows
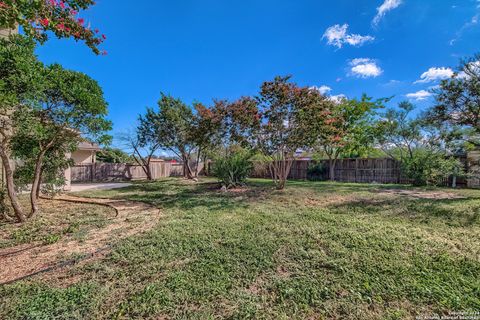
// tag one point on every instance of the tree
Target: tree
(143, 145)
(457, 107)
(38, 17)
(343, 128)
(283, 123)
(171, 127)
(206, 131)
(114, 155)
(53, 168)
(69, 104)
(417, 145)
(20, 82)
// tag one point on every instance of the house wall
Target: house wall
(84, 156)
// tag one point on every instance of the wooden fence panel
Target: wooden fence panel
(369, 170)
(117, 172)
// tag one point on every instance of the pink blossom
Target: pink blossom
(44, 22)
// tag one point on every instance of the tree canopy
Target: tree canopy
(60, 17)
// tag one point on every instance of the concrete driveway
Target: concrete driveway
(98, 186)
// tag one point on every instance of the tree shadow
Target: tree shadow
(183, 194)
(457, 212)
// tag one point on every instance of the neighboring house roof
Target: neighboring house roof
(89, 146)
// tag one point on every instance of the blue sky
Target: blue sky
(201, 50)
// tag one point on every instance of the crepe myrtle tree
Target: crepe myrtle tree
(70, 104)
(206, 131)
(240, 122)
(344, 127)
(284, 121)
(61, 17)
(171, 126)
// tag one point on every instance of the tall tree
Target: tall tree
(61, 17)
(142, 144)
(283, 122)
(344, 127)
(69, 104)
(21, 80)
(206, 131)
(457, 107)
(171, 127)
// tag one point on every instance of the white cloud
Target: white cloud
(322, 89)
(386, 6)
(337, 98)
(466, 26)
(337, 36)
(419, 95)
(434, 74)
(365, 68)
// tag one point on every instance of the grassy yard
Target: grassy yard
(315, 250)
(56, 221)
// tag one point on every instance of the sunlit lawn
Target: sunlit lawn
(315, 250)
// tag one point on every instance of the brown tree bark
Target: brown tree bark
(187, 170)
(36, 183)
(331, 167)
(17, 208)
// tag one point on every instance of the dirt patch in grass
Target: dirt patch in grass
(132, 218)
(422, 194)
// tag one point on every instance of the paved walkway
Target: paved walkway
(99, 186)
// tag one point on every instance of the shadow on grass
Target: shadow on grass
(183, 194)
(458, 212)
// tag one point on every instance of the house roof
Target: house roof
(90, 146)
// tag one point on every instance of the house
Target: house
(85, 154)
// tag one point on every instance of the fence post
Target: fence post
(356, 169)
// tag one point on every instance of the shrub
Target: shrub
(233, 169)
(430, 168)
(316, 171)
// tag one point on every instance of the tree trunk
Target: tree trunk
(281, 170)
(148, 170)
(331, 165)
(37, 193)
(187, 170)
(17, 208)
(36, 183)
(197, 163)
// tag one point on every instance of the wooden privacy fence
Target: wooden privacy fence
(370, 170)
(118, 171)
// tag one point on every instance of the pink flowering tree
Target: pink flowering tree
(61, 17)
(346, 127)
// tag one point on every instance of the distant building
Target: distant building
(86, 153)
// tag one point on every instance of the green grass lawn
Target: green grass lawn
(315, 250)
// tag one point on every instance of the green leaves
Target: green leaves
(37, 18)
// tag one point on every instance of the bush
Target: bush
(316, 172)
(233, 169)
(429, 168)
